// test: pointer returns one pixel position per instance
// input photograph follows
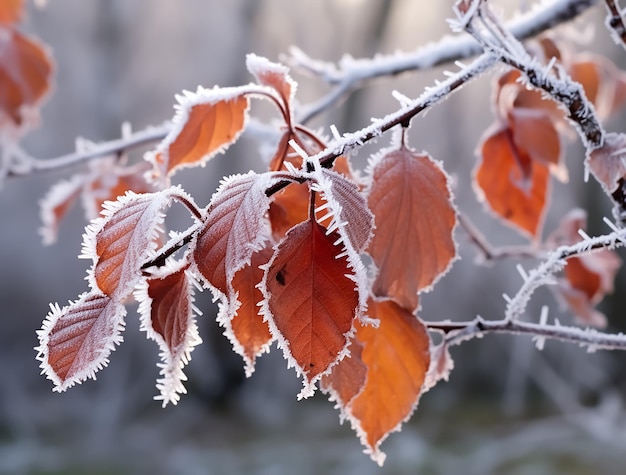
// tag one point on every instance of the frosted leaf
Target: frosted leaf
(55, 205)
(76, 340)
(273, 75)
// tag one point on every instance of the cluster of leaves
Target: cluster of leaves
(326, 262)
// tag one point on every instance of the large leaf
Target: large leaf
(412, 244)
(167, 315)
(235, 227)
(311, 299)
(207, 122)
(25, 78)
(123, 238)
(397, 357)
(514, 186)
(76, 340)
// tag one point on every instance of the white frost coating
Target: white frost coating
(104, 333)
(142, 242)
(259, 66)
(173, 360)
(63, 192)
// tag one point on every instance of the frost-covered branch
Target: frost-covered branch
(615, 22)
(351, 73)
(28, 165)
(486, 28)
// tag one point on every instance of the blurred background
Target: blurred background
(508, 408)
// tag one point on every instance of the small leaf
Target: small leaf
(207, 122)
(167, 316)
(412, 244)
(123, 238)
(519, 197)
(273, 75)
(235, 227)
(247, 331)
(55, 205)
(76, 340)
(607, 163)
(311, 300)
(25, 78)
(397, 356)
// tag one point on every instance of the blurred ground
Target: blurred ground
(508, 409)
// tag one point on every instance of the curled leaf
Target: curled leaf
(76, 340)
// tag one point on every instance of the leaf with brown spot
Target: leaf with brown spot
(76, 341)
(519, 197)
(397, 356)
(412, 243)
(311, 299)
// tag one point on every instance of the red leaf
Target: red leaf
(607, 162)
(311, 300)
(397, 356)
(289, 207)
(273, 75)
(11, 11)
(247, 331)
(516, 196)
(235, 227)
(412, 244)
(25, 78)
(166, 306)
(55, 205)
(124, 238)
(76, 341)
(346, 379)
(207, 122)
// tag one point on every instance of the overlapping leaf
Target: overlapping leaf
(166, 306)
(76, 340)
(397, 357)
(207, 122)
(25, 78)
(515, 186)
(311, 299)
(247, 330)
(123, 239)
(412, 245)
(607, 163)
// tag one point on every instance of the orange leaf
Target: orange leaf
(167, 315)
(397, 356)
(25, 77)
(123, 239)
(347, 378)
(235, 226)
(534, 131)
(55, 205)
(249, 334)
(499, 178)
(273, 75)
(412, 245)
(11, 11)
(311, 300)
(76, 341)
(206, 123)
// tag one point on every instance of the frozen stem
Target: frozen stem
(615, 23)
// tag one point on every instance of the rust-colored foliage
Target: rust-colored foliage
(311, 299)
(412, 245)
(347, 378)
(607, 162)
(250, 334)
(11, 11)
(397, 356)
(517, 196)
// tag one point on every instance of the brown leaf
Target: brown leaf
(25, 78)
(123, 239)
(397, 356)
(235, 227)
(166, 306)
(273, 75)
(412, 245)
(11, 11)
(607, 163)
(249, 334)
(311, 300)
(55, 205)
(346, 378)
(514, 186)
(206, 123)
(76, 340)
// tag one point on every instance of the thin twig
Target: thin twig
(615, 23)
